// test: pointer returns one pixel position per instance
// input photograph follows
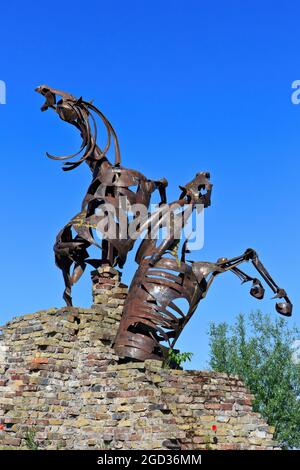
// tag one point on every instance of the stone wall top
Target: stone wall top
(62, 386)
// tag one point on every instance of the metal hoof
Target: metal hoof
(257, 290)
(284, 308)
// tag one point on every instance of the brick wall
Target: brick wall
(61, 386)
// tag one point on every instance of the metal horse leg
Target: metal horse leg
(284, 308)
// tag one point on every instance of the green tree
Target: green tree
(259, 350)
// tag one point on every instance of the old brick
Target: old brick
(40, 360)
(79, 396)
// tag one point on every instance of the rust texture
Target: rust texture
(111, 183)
(152, 320)
(153, 315)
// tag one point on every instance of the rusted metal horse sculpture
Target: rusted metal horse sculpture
(110, 183)
(151, 316)
(151, 320)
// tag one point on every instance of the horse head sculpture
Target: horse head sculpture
(80, 114)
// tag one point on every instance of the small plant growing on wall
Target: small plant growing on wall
(177, 358)
(30, 440)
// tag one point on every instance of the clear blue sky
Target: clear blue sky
(189, 86)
